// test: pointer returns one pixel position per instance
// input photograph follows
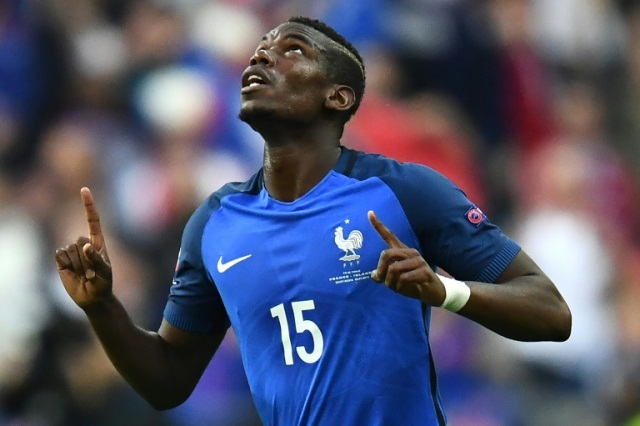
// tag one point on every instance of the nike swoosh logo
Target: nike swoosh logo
(222, 267)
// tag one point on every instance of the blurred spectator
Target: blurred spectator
(25, 310)
(527, 85)
(622, 391)
(623, 93)
(558, 232)
(447, 47)
(575, 192)
(32, 81)
(613, 196)
(578, 36)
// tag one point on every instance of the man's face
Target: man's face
(286, 78)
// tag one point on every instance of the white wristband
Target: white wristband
(457, 294)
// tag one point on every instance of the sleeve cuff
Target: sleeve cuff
(499, 263)
(191, 324)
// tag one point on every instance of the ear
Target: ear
(340, 98)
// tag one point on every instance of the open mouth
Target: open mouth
(255, 81)
(252, 81)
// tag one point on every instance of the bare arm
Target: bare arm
(525, 305)
(163, 367)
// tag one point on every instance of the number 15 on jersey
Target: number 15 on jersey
(302, 325)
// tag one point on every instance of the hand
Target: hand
(404, 270)
(84, 267)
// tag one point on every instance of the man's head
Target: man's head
(344, 63)
(306, 67)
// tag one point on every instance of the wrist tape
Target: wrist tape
(457, 294)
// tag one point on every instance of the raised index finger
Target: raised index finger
(93, 218)
(384, 232)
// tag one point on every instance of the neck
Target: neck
(296, 160)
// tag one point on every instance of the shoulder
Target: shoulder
(213, 201)
(407, 180)
(372, 164)
(201, 215)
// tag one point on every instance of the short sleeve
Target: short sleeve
(194, 303)
(454, 233)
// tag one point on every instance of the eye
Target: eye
(295, 48)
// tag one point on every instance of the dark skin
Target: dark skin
(297, 109)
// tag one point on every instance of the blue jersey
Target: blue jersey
(321, 342)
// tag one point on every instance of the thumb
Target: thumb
(98, 264)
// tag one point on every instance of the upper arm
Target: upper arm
(190, 353)
(524, 304)
(522, 265)
(523, 268)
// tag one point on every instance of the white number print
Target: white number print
(302, 325)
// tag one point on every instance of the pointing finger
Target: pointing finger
(93, 218)
(384, 232)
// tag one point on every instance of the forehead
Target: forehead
(298, 31)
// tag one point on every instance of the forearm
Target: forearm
(527, 308)
(163, 367)
(142, 357)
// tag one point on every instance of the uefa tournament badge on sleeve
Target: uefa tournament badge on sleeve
(475, 215)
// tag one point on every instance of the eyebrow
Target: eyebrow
(302, 38)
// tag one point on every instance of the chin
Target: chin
(255, 116)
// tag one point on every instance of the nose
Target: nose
(262, 56)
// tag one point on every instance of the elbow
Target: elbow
(166, 400)
(567, 321)
(163, 405)
(560, 317)
(562, 325)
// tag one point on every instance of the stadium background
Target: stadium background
(532, 107)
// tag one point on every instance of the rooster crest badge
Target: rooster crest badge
(349, 245)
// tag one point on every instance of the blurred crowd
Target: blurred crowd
(531, 107)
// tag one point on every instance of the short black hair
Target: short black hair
(345, 69)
